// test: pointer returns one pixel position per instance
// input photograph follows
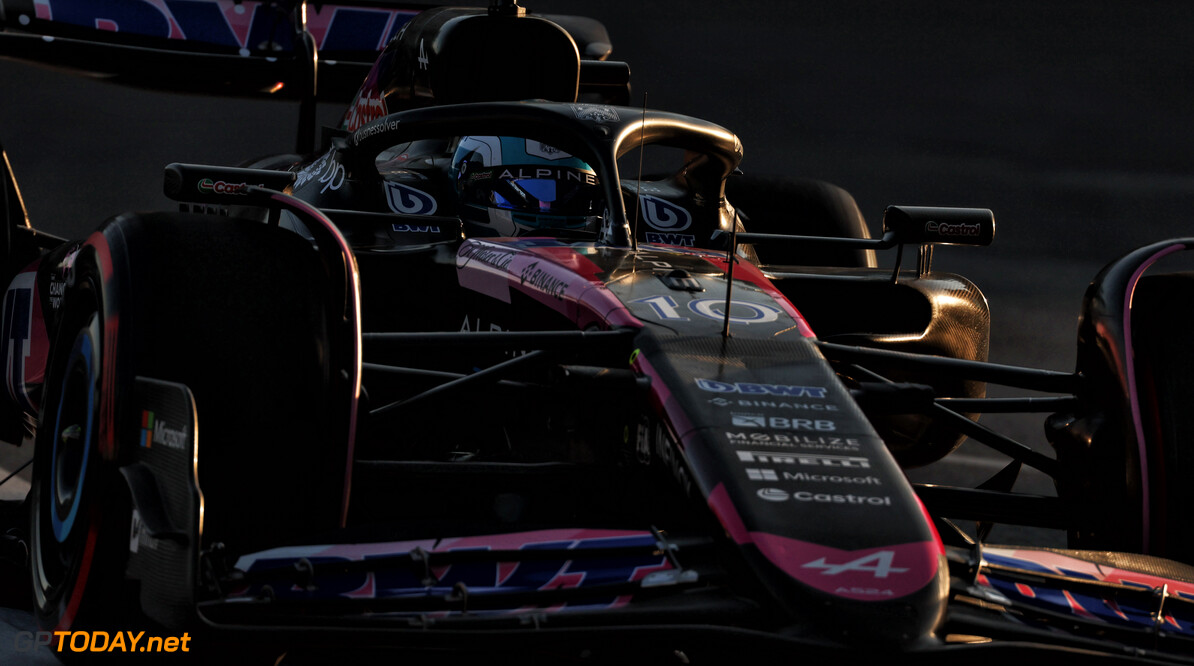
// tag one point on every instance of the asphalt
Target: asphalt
(1071, 120)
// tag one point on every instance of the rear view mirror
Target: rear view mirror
(934, 225)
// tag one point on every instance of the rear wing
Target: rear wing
(216, 47)
(282, 49)
(226, 47)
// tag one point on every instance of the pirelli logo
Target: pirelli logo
(810, 460)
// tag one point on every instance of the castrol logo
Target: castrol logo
(209, 186)
(947, 229)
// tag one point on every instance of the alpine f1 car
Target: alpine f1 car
(501, 365)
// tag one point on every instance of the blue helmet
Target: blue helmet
(511, 186)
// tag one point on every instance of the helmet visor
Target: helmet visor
(537, 189)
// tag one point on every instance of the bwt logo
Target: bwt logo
(683, 240)
(409, 201)
(761, 389)
(664, 215)
(415, 229)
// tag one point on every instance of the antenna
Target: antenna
(638, 183)
(730, 257)
(307, 64)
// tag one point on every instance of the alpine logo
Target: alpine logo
(664, 215)
(715, 386)
(878, 564)
(871, 574)
(543, 172)
(406, 200)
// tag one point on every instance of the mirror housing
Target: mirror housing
(935, 225)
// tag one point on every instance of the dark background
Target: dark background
(1071, 120)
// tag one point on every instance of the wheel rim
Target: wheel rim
(62, 518)
(73, 428)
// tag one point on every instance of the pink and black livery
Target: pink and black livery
(326, 414)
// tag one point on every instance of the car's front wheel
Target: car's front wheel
(79, 505)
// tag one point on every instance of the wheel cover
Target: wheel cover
(73, 429)
(62, 561)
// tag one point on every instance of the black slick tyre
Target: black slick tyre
(236, 311)
(805, 207)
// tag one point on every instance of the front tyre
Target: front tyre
(1161, 321)
(804, 207)
(79, 505)
(238, 313)
(1124, 452)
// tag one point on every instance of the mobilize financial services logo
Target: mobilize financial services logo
(715, 386)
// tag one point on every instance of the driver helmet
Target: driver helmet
(510, 186)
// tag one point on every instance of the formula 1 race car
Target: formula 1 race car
(521, 370)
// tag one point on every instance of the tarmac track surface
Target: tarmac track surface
(1071, 120)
